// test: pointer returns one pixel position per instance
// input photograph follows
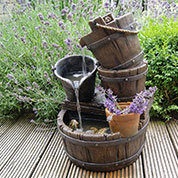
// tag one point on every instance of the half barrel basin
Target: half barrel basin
(100, 152)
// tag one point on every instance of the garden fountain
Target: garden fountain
(102, 150)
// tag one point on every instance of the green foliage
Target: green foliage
(159, 39)
(36, 37)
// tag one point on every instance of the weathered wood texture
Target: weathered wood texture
(124, 83)
(28, 152)
(172, 127)
(100, 151)
(22, 147)
(159, 155)
(114, 49)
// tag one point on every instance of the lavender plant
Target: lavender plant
(138, 105)
(31, 42)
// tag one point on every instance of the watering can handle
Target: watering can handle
(116, 29)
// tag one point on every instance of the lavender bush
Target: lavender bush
(138, 105)
(34, 38)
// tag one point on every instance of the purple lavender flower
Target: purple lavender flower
(46, 23)
(68, 42)
(23, 39)
(44, 44)
(24, 71)
(45, 74)
(55, 45)
(73, 6)
(20, 90)
(14, 29)
(8, 84)
(40, 16)
(29, 4)
(38, 28)
(23, 28)
(35, 85)
(49, 80)
(64, 11)
(2, 46)
(138, 105)
(60, 23)
(10, 77)
(51, 15)
(35, 110)
(27, 82)
(70, 16)
(77, 46)
(60, 49)
(33, 67)
(106, 4)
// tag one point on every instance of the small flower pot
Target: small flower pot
(126, 124)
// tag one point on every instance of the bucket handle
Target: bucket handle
(116, 29)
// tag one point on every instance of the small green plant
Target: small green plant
(159, 39)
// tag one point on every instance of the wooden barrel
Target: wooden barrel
(114, 43)
(100, 152)
(124, 83)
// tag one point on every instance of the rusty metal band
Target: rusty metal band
(129, 98)
(102, 143)
(134, 60)
(100, 165)
(124, 79)
(103, 41)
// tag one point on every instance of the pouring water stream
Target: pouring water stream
(76, 79)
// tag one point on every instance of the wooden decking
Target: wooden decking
(36, 151)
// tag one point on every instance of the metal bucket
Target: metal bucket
(73, 64)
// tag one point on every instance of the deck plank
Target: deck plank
(54, 162)
(27, 155)
(172, 127)
(33, 153)
(6, 125)
(159, 156)
(13, 137)
(133, 171)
